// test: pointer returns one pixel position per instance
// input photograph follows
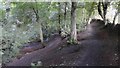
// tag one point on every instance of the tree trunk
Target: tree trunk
(73, 21)
(59, 27)
(115, 17)
(7, 7)
(38, 21)
(65, 15)
(41, 33)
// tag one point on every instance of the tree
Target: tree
(65, 13)
(115, 17)
(59, 20)
(103, 12)
(90, 8)
(73, 21)
(117, 6)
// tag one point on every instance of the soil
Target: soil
(98, 46)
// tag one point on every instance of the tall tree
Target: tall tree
(118, 11)
(59, 28)
(7, 8)
(36, 11)
(115, 17)
(65, 13)
(90, 8)
(73, 21)
(103, 12)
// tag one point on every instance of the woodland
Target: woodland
(59, 33)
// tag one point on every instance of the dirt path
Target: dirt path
(99, 47)
(37, 55)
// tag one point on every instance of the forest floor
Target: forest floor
(98, 48)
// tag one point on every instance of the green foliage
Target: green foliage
(116, 5)
(21, 27)
(72, 41)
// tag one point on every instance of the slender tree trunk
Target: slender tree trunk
(73, 22)
(65, 14)
(7, 7)
(40, 29)
(104, 12)
(41, 33)
(99, 10)
(38, 21)
(115, 17)
(59, 27)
